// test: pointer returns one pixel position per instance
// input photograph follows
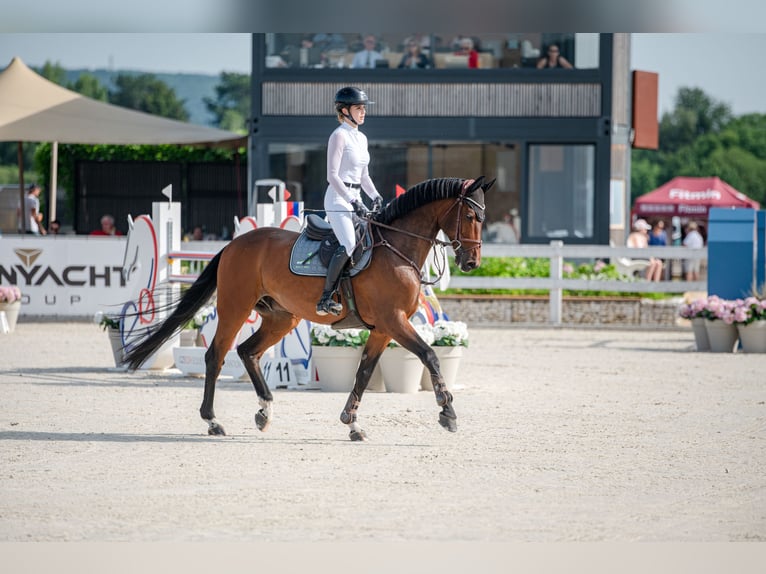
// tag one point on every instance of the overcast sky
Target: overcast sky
(729, 67)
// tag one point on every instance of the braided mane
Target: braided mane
(419, 195)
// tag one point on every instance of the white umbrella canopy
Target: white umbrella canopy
(33, 109)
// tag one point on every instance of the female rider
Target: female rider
(347, 176)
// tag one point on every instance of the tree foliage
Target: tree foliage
(701, 138)
(231, 108)
(147, 93)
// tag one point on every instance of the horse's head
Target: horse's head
(463, 222)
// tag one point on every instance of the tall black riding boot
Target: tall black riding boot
(327, 304)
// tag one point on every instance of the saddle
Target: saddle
(315, 245)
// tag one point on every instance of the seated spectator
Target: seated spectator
(367, 57)
(693, 240)
(307, 55)
(658, 236)
(466, 49)
(54, 228)
(639, 238)
(414, 58)
(554, 59)
(327, 42)
(107, 227)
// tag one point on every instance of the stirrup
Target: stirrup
(328, 305)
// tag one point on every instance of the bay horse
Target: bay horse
(252, 272)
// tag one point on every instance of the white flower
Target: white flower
(450, 333)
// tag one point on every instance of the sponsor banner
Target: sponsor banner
(65, 276)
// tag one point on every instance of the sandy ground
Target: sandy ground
(565, 435)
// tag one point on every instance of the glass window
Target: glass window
(561, 191)
(440, 50)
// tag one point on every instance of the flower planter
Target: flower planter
(11, 313)
(722, 336)
(401, 370)
(449, 361)
(115, 339)
(189, 337)
(336, 367)
(753, 337)
(700, 334)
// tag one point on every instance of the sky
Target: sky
(727, 66)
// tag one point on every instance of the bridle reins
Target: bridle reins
(456, 243)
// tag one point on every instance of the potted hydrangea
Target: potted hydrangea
(10, 304)
(719, 323)
(402, 370)
(696, 312)
(449, 340)
(335, 354)
(750, 319)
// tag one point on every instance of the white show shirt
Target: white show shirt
(347, 162)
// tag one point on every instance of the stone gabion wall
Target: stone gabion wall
(617, 312)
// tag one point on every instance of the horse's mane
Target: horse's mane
(419, 195)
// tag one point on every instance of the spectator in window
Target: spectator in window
(413, 58)
(367, 57)
(107, 227)
(554, 59)
(467, 49)
(693, 240)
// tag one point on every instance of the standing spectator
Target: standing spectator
(639, 238)
(693, 240)
(107, 227)
(32, 213)
(367, 57)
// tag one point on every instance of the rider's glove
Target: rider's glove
(360, 209)
(377, 204)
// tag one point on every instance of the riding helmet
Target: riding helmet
(350, 96)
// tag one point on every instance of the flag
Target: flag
(399, 190)
(167, 191)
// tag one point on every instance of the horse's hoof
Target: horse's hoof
(262, 421)
(448, 423)
(359, 435)
(216, 430)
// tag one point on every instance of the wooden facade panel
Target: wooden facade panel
(441, 100)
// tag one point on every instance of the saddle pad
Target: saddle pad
(305, 260)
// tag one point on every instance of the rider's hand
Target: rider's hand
(377, 204)
(360, 209)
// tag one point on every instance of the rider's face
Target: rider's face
(358, 112)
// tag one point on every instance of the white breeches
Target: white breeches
(339, 215)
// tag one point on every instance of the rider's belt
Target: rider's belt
(353, 185)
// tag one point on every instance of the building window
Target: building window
(561, 191)
(421, 50)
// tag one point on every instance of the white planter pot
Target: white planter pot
(721, 335)
(11, 313)
(401, 370)
(189, 337)
(336, 367)
(115, 340)
(700, 334)
(449, 361)
(753, 337)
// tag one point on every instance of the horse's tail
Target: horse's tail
(194, 298)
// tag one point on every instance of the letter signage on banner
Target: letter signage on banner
(64, 276)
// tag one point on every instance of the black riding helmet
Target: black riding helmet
(349, 96)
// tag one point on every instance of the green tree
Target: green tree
(53, 72)
(695, 114)
(231, 107)
(146, 93)
(89, 86)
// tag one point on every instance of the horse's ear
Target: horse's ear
(486, 186)
(130, 222)
(476, 184)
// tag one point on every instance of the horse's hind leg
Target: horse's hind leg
(372, 351)
(274, 326)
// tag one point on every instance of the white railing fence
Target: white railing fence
(557, 252)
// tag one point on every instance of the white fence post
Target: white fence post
(557, 268)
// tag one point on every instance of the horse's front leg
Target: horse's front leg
(447, 416)
(370, 356)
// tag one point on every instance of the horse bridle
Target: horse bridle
(456, 244)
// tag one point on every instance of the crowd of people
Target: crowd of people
(655, 235)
